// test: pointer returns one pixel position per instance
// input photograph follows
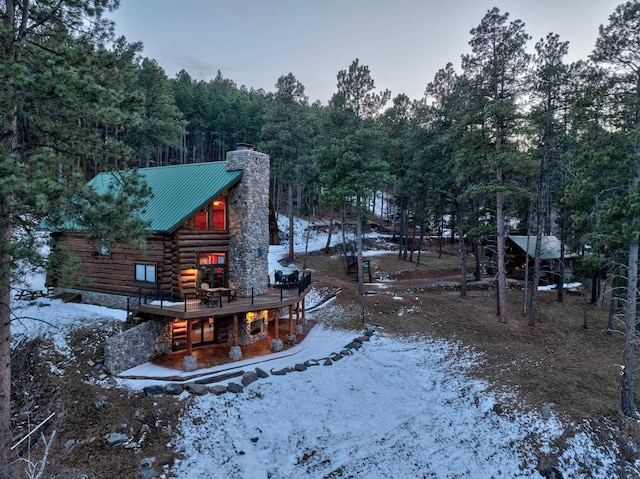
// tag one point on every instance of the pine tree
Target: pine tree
(549, 78)
(358, 167)
(61, 113)
(618, 46)
(495, 69)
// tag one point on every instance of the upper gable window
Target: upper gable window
(213, 217)
(201, 220)
(219, 217)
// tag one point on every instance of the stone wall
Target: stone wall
(256, 323)
(114, 301)
(137, 345)
(249, 221)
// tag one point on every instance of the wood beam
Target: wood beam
(291, 319)
(235, 330)
(189, 349)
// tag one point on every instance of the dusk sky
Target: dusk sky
(404, 42)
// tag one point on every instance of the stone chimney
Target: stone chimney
(248, 207)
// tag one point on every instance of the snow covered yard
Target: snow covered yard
(394, 409)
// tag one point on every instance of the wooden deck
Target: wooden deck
(196, 308)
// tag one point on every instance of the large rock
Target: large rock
(236, 353)
(153, 390)
(115, 438)
(217, 389)
(262, 373)
(197, 389)
(189, 364)
(173, 388)
(249, 377)
(235, 388)
(276, 345)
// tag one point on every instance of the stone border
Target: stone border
(196, 388)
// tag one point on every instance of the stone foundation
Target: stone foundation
(253, 328)
(137, 345)
(114, 301)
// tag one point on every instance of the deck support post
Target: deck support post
(303, 309)
(235, 330)
(276, 323)
(189, 349)
(290, 319)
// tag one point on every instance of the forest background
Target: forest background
(513, 141)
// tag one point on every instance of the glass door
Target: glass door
(213, 270)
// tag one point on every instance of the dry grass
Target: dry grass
(558, 361)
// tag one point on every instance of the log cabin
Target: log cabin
(203, 276)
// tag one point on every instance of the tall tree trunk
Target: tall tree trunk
(5, 339)
(502, 271)
(628, 373)
(630, 317)
(328, 245)
(359, 245)
(463, 259)
(540, 216)
(344, 238)
(402, 225)
(476, 253)
(291, 232)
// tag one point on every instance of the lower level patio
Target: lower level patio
(218, 354)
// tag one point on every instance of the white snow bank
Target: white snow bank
(394, 409)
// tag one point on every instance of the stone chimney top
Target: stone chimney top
(245, 146)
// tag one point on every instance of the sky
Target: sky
(403, 42)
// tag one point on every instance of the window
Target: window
(219, 220)
(201, 221)
(145, 273)
(212, 217)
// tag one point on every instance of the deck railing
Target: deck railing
(221, 299)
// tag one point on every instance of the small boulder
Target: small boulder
(262, 374)
(235, 388)
(235, 353)
(173, 389)
(148, 474)
(249, 377)
(311, 362)
(217, 389)
(327, 362)
(147, 462)
(115, 438)
(189, 364)
(196, 389)
(69, 445)
(276, 345)
(153, 390)
(300, 367)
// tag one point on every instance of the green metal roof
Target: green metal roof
(549, 246)
(178, 191)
